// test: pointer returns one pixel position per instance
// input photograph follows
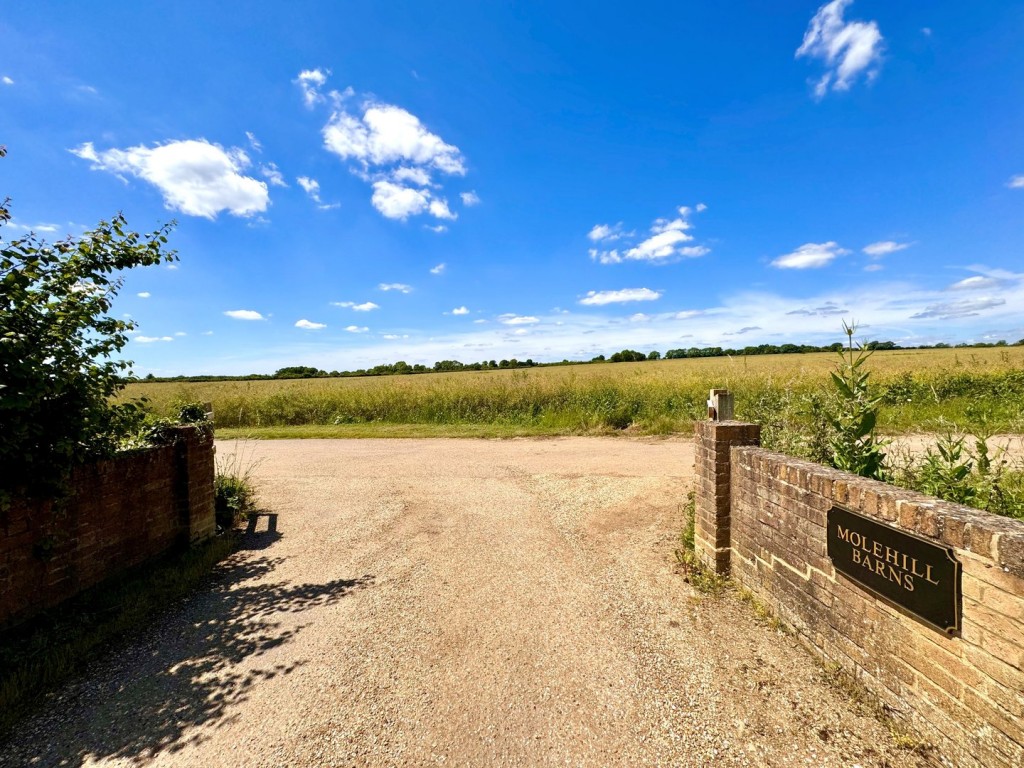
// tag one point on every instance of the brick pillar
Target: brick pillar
(714, 440)
(195, 469)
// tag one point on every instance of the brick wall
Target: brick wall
(121, 512)
(964, 693)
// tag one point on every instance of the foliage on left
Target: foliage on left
(58, 370)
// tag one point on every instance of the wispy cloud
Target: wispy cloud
(469, 199)
(273, 175)
(600, 298)
(810, 256)
(848, 49)
(6, 80)
(884, 248)
(312, 189)
(460, 311)
(665, 243)
(400, 287)
(244, 314)
(510, 318)
(143, 294)
(956, 309)
(356, 328)
(152, 339)
(975, 283)
(1016, 182)
(310, 81)
(194, 176)
(366, 306)
(439, 269)
(309, 325)
(254, 143)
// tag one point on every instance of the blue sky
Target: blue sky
(359, 183)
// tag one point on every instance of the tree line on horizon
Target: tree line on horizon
(402, 368)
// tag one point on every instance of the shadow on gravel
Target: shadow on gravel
(179, 674)
(251, 542)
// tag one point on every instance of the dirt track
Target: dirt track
(464, 603)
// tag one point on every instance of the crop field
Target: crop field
(924, 390)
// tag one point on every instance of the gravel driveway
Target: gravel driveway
(464, 603)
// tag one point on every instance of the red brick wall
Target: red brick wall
(963, 693)
(121, 512)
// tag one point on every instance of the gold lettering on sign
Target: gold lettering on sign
(884, 560)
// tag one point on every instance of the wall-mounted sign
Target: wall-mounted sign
(907, 570)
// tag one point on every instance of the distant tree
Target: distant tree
(598, 359)
(627, 356)
(298, 372)
(654, 355)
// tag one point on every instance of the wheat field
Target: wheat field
(922, 389)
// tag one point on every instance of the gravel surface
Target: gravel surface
(464, 603)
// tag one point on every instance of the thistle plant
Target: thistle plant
(853, 445)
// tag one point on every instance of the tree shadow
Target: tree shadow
(180, 673)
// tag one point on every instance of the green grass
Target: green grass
(967, 387)
(51, 648)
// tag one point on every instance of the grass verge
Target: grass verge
(53, 647)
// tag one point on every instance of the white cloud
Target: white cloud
(873, 268)
(809, 255)
(194, 176)
(273, 175)
(664, 245)
(143, 294)
(469, 199)
(460, 311)
(309, 325)
(364, 307)
(151, 339)
(311, 187)
(244, 314)
(356, 328)
(974, 283)
(439, 269)
(413, 175)
(884, 248)
(207, 333)
(392, 149)
(394, 336)
(602, 232)
(42, 227)
(512, 319)
(254, 143)
(180, 333)
(311, 81)
(701, 207)
(397, 202)
(388, 134)
(439, 228)
(439, 210)
(600, 298)
(847, 48)
(7, 81)
(1016, 182)
(400, 287)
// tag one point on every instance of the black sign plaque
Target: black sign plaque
(906, 570)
